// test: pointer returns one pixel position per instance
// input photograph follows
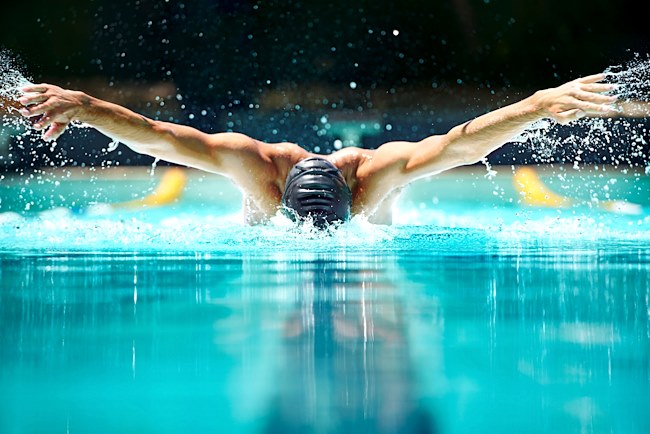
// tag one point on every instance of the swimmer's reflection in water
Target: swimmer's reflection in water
(346, 366)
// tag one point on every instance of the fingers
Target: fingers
(32, 99)
(40, 88)
(592, 108)
(34, 110)
(592, 78)
(584, 96)
(36, 104)
(43, 123)
(595, 97)
(55, 131)
(598, 87)
(611, 112)
(569, 116)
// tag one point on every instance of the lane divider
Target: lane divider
(169, 189)
(533, 192)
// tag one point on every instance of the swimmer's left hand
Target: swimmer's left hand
(576, 99)
(56, 107)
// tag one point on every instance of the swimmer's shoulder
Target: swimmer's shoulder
(349, 160)
(349, 157)
(284, 154)
(240, 141)
(280, 153)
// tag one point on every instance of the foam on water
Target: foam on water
(432, 230)
(61, 229)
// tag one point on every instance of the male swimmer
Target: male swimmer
(326, 188)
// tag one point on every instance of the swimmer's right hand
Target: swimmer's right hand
(56, 107)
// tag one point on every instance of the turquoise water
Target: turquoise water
(472, 313)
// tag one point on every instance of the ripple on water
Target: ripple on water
(62, 230)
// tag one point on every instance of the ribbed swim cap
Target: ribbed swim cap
(316, 188)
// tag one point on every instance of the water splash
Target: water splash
(61, 229)
(490, 172)
(632, 78)
(621, 139)
(432, 229)
(112, 146)
(12, 79)
(153, 166)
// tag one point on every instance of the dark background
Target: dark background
(282, 70)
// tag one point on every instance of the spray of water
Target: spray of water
(12, 79)
(21, 146)
(632, 78)
(620, 139)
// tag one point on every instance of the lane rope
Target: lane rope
(533, 192)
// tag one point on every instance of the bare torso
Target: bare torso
(265, 185)
(375, 177)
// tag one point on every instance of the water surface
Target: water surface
(467, 317)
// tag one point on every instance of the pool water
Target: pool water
(472, 313)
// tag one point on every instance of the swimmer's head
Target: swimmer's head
(316, 189)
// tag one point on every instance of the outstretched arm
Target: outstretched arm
(221, 153)
(474, 140)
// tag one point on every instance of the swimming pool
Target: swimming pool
(472, 313)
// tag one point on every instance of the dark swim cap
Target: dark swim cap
(316, 188)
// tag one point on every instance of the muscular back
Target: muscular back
(264, 186)
(260, 169)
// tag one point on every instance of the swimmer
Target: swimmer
(327, 188)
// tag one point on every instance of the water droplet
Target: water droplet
(112, 146)
(153, 166)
